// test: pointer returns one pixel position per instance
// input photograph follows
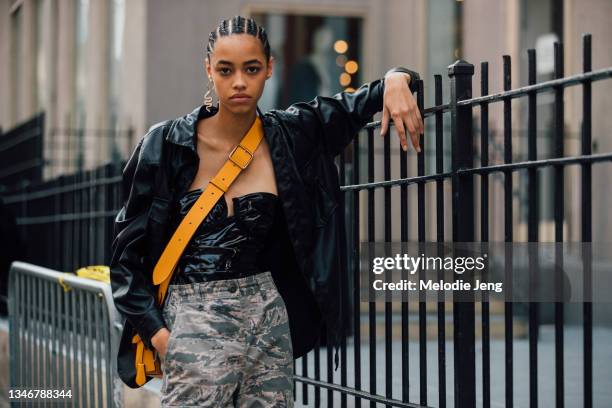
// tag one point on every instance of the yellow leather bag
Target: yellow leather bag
(147, 362)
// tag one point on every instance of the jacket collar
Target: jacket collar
(184, 131)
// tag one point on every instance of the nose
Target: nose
(239, 82)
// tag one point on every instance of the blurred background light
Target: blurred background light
(351, 67)
(345, 79)
(340, 46)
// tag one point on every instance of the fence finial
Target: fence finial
(460, 67)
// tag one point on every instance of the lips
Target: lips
(240, 97)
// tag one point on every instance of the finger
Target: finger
(418, 124)
(384, 123)
(408, 129)
(401, 130)
(408, 120)
(414, 137)
(419, 119)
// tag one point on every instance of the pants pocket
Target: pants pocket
(171, 314)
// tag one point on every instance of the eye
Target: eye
(224, 71)
(254, 70)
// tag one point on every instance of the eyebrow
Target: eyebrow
(225, 62)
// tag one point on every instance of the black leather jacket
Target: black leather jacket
(309, 248)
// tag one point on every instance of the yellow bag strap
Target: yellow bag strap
(239, 159)
(140, 367)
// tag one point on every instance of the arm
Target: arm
(131, 284)
(334, 121)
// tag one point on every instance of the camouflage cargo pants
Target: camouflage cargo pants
(229, 345)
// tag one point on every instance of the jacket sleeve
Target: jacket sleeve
(131, 282)
(333, 121)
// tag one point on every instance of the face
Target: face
(238, 67)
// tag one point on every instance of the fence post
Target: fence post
(460, 74)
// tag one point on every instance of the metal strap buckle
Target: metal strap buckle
(239, 164)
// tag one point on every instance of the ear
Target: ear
(270, 67)
(207, 67)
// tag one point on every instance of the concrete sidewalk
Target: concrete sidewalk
(602, 370)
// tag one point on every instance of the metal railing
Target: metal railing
(21, 153)
(77, 209)
(63, 334)
(457, 377)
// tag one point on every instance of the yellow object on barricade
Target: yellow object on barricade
(96, 272)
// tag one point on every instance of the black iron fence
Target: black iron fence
(68, 223)
(461, 183)
(21, 153)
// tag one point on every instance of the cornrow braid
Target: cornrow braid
(238, 25)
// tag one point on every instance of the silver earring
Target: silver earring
(207, 97)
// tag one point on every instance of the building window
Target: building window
(314, 55)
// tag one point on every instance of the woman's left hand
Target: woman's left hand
(399, 105)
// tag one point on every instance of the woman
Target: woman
(259, 283)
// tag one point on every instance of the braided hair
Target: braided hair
(238, 25)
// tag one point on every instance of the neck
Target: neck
(233, 126)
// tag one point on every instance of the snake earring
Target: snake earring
(207, 96)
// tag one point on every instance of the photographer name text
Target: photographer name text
(440, 285)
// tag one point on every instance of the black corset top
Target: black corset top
(226, 246)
